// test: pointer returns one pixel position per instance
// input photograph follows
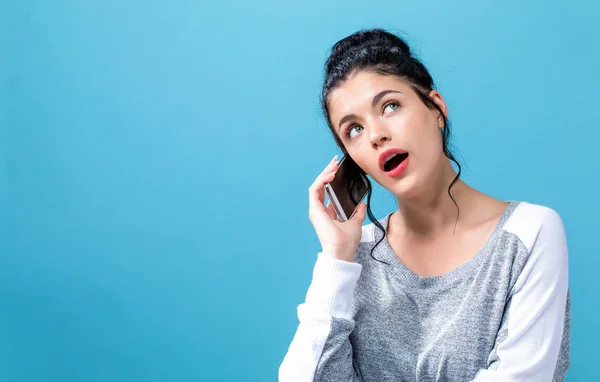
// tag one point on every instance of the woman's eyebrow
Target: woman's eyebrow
(376, 99)
(382, 94)
(345, 119)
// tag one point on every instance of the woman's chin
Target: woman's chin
(406, 187)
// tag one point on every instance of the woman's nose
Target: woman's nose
(379, 135)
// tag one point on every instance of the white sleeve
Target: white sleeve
(528, 346)
(329, 296)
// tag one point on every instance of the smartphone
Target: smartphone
(347, 190)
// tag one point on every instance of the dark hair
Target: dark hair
(381, 52)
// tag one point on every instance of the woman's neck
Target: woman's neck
(433, 212)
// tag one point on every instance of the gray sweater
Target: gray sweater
(501, 316)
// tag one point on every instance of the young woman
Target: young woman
(453, 286)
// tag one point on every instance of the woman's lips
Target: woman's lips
(387, 154)
(399, 169)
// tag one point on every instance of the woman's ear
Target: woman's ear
(439, 100)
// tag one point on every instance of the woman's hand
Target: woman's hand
(338, 239)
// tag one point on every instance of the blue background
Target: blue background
(155, 157)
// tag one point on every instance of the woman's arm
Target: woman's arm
(321, 350)
(530, 345)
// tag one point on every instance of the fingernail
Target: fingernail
(334, 159)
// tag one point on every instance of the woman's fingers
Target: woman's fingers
(316, 191)
(330, 210)
(360, 213)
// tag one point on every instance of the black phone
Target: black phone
(347, 190)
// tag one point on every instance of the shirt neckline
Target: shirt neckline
(408, 277)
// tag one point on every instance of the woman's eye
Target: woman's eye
(392, 106)
(353, 131)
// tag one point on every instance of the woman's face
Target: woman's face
(376, 116)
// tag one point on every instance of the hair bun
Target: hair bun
(395, 49)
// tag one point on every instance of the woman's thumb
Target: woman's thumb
(360, 213)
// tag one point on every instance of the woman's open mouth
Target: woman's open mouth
(393, 161)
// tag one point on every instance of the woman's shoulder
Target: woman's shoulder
(531, 222)
(371, 233)
(370, 237)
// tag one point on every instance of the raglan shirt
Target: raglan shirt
(504, 315)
